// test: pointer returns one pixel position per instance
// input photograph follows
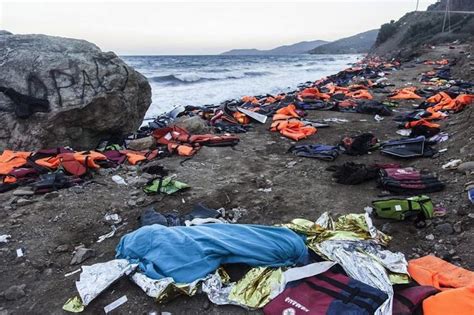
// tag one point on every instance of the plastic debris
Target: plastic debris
(336, 120)
(378, 118)
(119, 180)
(19, 253)
(113, 218)
(265, 190)
(404, 132)
(72, 272)
(5, 238)
(73, 305)
(109, 308)
(108, 235)
(451, 165)
(256, 116)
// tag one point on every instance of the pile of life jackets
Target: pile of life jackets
(180, 141)
(287, 121)
(60, 167)
(436, 105)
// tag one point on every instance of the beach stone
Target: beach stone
(15, 292)
(466, 166)
(457, 227)
(51, 195)
(444, 228)
(81, 255)
(141, 144)
(194, 124)
(25, 191)
(62, 248)
(88, 95)
(23, 202)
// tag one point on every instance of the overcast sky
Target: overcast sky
(152, 27)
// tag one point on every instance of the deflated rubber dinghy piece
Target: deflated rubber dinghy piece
(190, 253)
(316, 151)
(408, 148)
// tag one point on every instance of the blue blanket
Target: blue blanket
(189, 253)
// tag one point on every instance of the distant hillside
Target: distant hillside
(404, 38)
(360, 43)
(298, 48)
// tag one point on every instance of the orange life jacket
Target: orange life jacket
(455, 301)
(12, 159)
(250, 99)
(89, 158)
(241, 118)
(421, 122)
(431, 270)
(289, 110)
(287, 123)
(361, 94)
(406, 94)
(314, 94)
(134, 157)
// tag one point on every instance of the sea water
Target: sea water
(201, 80)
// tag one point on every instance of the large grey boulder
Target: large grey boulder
(92, 95)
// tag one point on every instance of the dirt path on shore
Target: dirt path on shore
(48, 228)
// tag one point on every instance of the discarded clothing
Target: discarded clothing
(328, 294)
(150, 217)
(317, 151)
(360, 144)
(190, 253)
(351, 173)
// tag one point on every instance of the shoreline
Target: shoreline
(224, 177)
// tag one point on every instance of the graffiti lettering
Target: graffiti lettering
(59, 76)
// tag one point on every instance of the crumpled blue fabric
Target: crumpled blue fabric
(188, 253)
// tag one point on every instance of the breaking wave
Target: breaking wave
(192, 78)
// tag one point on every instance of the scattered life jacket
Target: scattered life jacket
(400, 209)
(286, 121)
(456, 284)
(12, 159)
(406, 94)
(179, 140)
(431, 270)
(328, 293)
(455, 301)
